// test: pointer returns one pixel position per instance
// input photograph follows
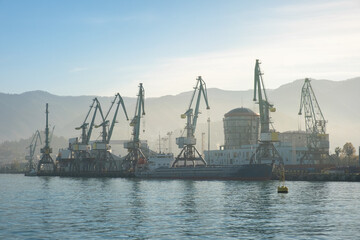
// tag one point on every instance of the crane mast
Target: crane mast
(46, 163)
(315, 123)
(189, 151)
(139, 111)
(32, 148)
(265, 150)
(135, 157)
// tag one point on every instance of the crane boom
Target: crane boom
(121, 101)
(264, 106)
(97, 106)
(32, 148)
(86, 136)
(314, 118)
(203, 92)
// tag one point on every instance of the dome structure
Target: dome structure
(241, 127)
(240, 112)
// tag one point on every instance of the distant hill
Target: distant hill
(22, 114)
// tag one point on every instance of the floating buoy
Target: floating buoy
(283, 189)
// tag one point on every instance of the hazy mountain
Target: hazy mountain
(22, 114)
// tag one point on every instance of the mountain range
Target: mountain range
(22, 114)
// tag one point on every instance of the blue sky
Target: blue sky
(103, 47)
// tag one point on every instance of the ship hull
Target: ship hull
(248, 172)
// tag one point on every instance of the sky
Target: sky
(87, 47)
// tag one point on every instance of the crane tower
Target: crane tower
(315, 124)
(46, 164)
(32, 148)
(265, 150)
(135, 157)
(189, 151)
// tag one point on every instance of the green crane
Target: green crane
(265, 150)
(264, 106)
(106, 134)
(86, 133)
(46, 163)
(32, 148)
(135, 157)
(189, 151)
(315, 123)
(101, 149)
(81, 150)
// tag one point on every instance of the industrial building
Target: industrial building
(241, 127)
(242, 131)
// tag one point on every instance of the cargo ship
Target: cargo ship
(245, 172)
(248, 172)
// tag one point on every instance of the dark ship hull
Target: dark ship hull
(247, 172)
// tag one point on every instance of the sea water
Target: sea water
(116, 208)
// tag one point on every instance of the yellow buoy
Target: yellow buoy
(283, 189)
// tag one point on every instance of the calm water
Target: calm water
(75, 208)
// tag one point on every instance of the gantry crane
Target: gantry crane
(46, 164)
(135, 157)
(32, 148)
(189, 151)
(101, 149)
(315, 123)
(265, 150)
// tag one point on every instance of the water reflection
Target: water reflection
(251, 202)
(188, 202)
(137, 209)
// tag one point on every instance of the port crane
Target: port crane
(32, 148)
(81, 150)
(101, 149)
(315, 123)
(85, 135)
(265, 150)
(135, 157)
(189, 151)
(46, 163)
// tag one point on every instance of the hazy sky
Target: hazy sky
(102, 47)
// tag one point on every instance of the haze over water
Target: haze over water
(76, 208)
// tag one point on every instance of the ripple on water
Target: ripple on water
(75, 208)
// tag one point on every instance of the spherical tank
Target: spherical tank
(241, 127)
